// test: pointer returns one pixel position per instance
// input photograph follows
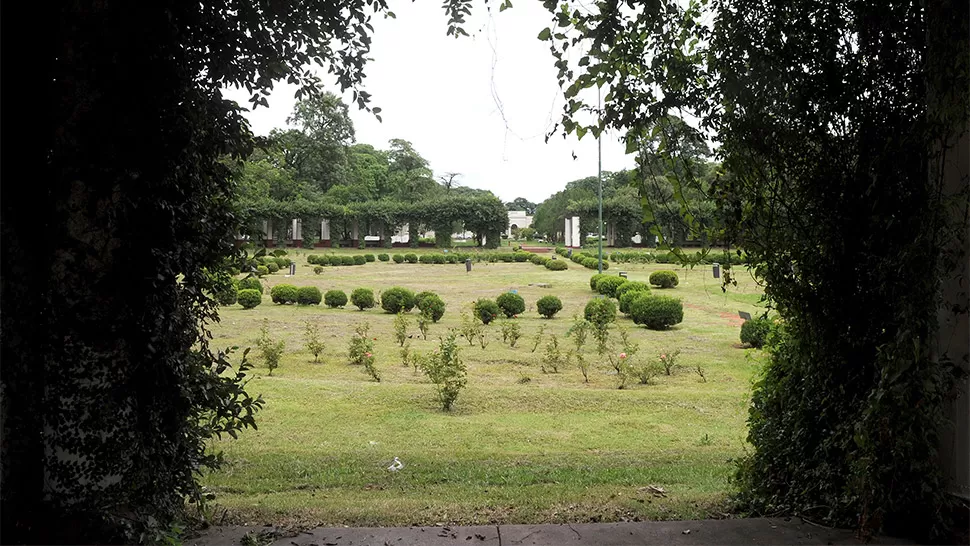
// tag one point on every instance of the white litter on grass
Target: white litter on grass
(396, 465)
(373, 443)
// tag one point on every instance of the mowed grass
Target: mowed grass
(547, 449)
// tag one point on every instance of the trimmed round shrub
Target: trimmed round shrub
(548, 306)
(370, 258)
(335, 298)
(411, 258)
(486, 310)
(347, 260)
(656, 312)
(631, 286)
(362, 298)
(262, 270)
(318, 269)
(332, 259)
(520, 256)
(664, 279)
(398, 258)
(282, 263)
(312, 259)
(308, 295)
(556, 265)
(627, 299)
(397, 299)
(383, 257)
(360, 260)
(272, 267)
(451, 258)
(251, 283)
(595, 279)
(600, 311)
(511, 304)
(249, 298)
(438, 259)
(426, 259)
(283, 293)
(608, 285)
(754, 332)
(226, 292)
(431, 304)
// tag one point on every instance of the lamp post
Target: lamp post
(599, 178)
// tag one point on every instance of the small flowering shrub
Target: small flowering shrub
(401, 325)
(510, 332)
(668, 361)
(270, 349)
(446, 370)
(361, 350)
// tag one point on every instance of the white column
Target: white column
(267, 230)
(567, 233)
(297, 229)
(577, 240)
(355, 230)
(324, 230)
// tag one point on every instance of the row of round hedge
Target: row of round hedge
(303, 295)
(636, 300)
(584, 259)
(345, 259)
(437, 258)
(512, 305)
(666, 257)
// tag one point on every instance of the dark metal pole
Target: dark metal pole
(599, 177)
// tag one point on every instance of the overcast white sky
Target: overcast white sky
(443, 95)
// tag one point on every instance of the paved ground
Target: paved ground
(755, 531)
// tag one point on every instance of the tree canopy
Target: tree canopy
(393, 186)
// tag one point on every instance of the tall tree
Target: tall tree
(408, 173)
(317, 150)
(521, 203)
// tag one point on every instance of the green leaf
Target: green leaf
(505, 5)
(545, 35)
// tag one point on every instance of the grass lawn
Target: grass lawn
(549, 448)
